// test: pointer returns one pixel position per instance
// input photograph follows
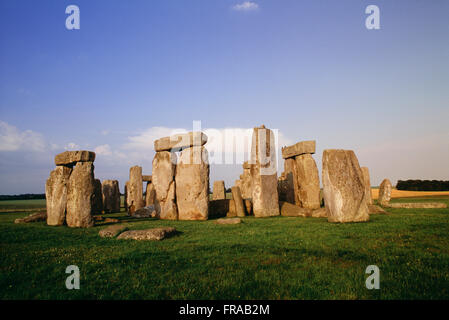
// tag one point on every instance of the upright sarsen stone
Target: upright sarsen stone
(111, 196)
(80, 195)
(164, 166)
(97, 207)
(56, 195)
(192, 184)
(150, 194)
(135, 190)
(308, 182)
(238, 201)
(344, 187)
(264, 173)
(385, 193)
(246, 187)
(126, 196)
(366, 177)
(219, 191)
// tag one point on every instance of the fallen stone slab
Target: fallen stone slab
(69, 158)
(148, 234)
(291, 210)
(417, 205)
(228, 221)
(112, 231)
(145, 212)
(180, 141)
(35, 217)
(319, 213)
(373, 209)
(303, 147)
(111, 220)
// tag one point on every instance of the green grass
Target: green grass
(271, 258)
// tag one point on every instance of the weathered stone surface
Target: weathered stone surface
(146, 212)
(319, 213)
(164, 165)
(373, 209)
(308, 182)
(35, 217)
(126, 195)
(150, 194)
(135, 190)
(56, 195)
(264, 173)
(180, 141)
(192, 184)
(228, 221)
(417, 205)
(344, 187)
(287, 183)
(248, 207)
(303, 147)
(219, 191)
(97, 201)
(291, 210)
(111, 196)
(231, 209)
(69, 158)
(238, 201)
(247, 183)
(367, 180)
(146, 178)
(80, 195)
(148, 234)
(112, 231)
(385, 192)
(218, 208)
(246, 165)
(111, 220)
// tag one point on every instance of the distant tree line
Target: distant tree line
(423, 185)
(27, 196)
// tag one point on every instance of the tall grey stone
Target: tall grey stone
(56, 195)
(164, 167)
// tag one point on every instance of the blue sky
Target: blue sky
(137, 70)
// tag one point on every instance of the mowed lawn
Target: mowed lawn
(270, 258)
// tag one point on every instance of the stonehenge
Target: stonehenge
(178, 186)
(344, 192)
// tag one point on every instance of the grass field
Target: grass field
(272, 258)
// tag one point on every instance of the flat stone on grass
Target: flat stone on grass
(112, 231)
(148, 234)
(228, 221)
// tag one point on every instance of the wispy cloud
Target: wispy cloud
(12, 139)
(246, 6)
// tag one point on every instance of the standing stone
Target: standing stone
(308, 181)
(385, 193)
(56, 195)
(219, 191)
(264, 173)
(150, 194)
(135, 190)
(366, 177)
(238, 201)
(164, 167)
(248, 207)
(288, 186)
(111, 196)
(80, 195)
(126, 196)
(192, 184)
(246, 187)
(97, 207)
(344, 187)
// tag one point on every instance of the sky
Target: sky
(140, 70)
